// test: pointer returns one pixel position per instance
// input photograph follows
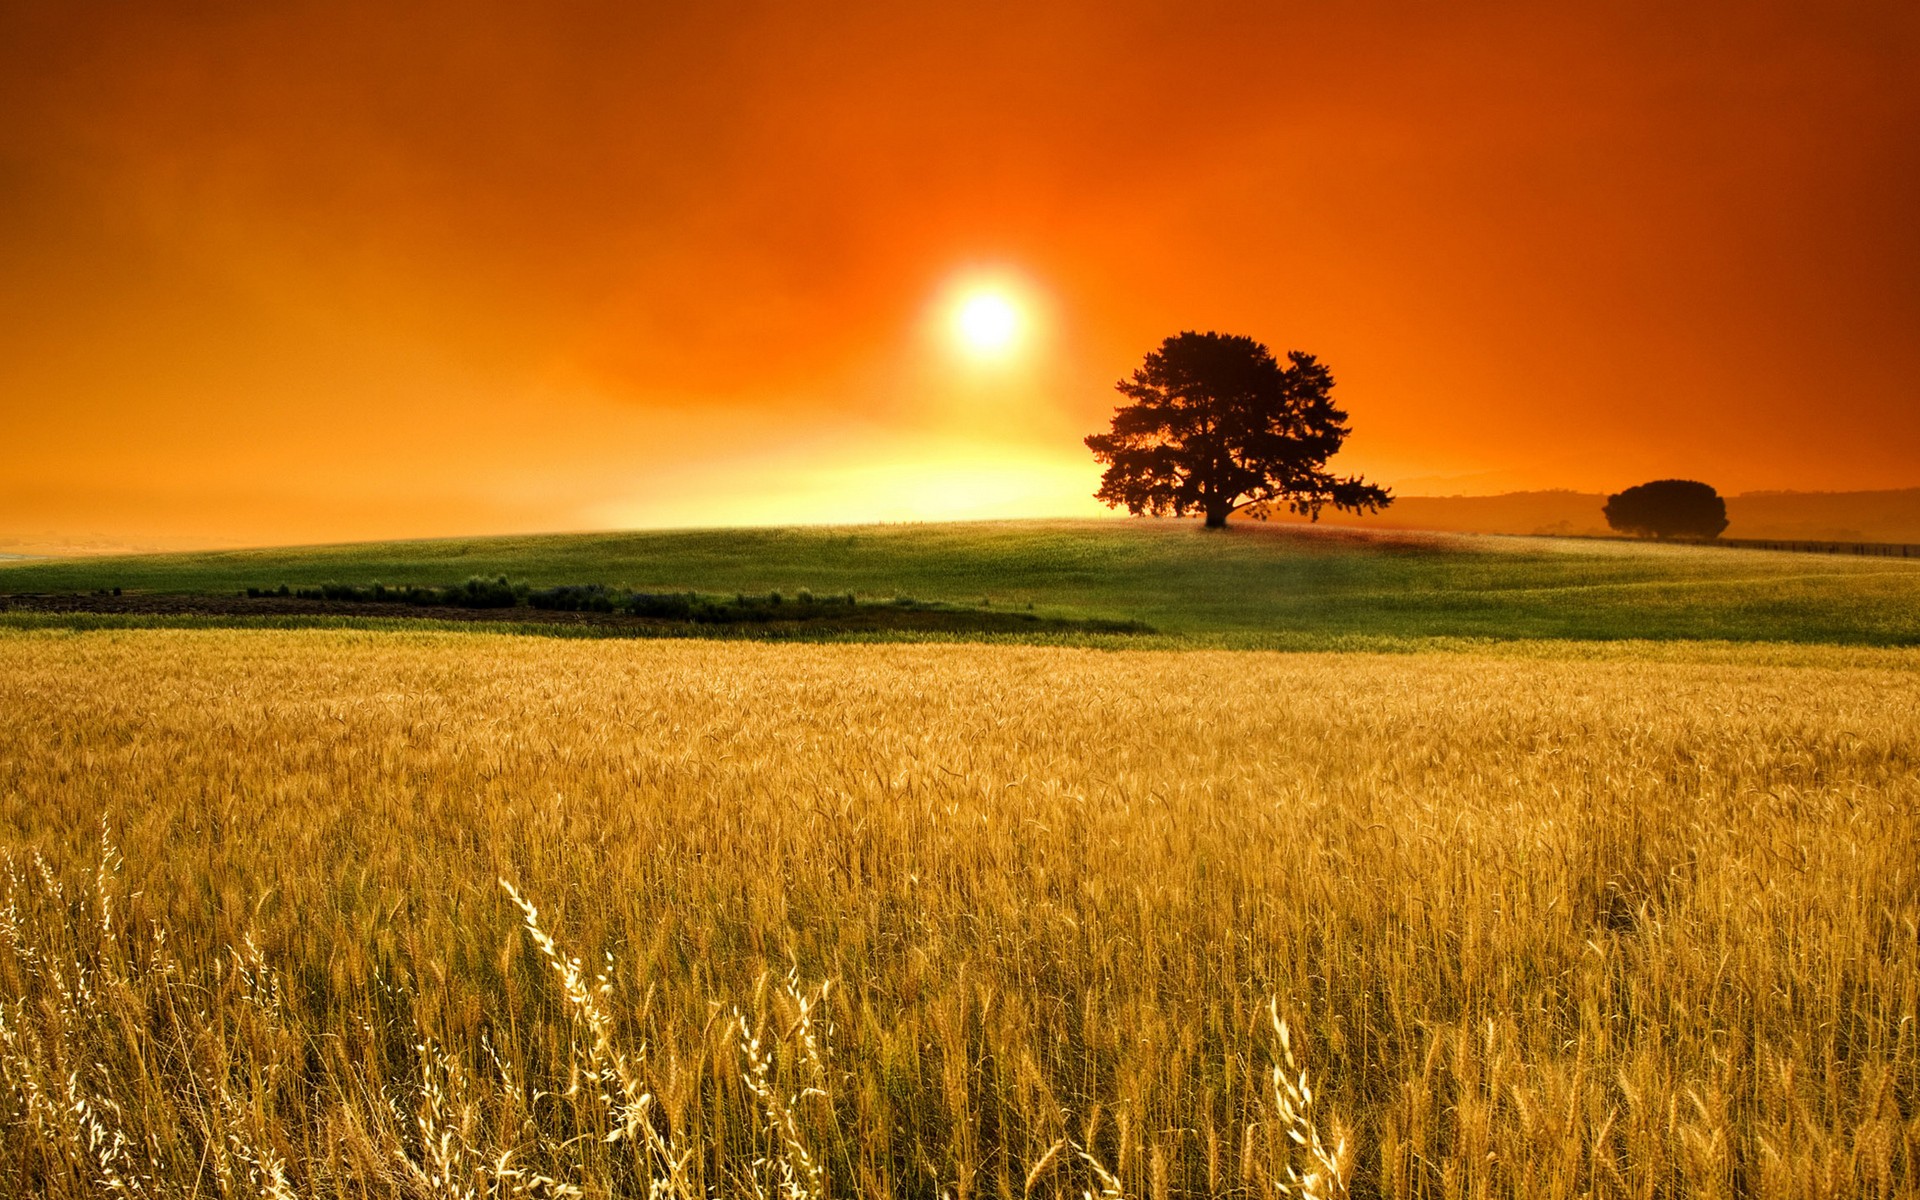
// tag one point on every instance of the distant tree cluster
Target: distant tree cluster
(476, 592)
(1217, 426)
(479, 592)
(1667, 508)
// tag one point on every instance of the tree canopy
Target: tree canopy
(1216, 425)
(1667, 508)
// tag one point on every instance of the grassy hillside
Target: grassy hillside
(1885, 516)
(1251, 585)
(1562, 512)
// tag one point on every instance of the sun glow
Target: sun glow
(987, 323)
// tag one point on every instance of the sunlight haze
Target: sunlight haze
(328, 272)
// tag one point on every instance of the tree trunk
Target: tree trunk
(1217, 516)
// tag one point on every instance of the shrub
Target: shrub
(669, 605)
(592, 597)
(485, 593)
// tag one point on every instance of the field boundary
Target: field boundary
(1814, 546)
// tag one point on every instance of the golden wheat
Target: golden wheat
(957, 921)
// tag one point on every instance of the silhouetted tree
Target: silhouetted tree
(1668, 508)
(1217, 425)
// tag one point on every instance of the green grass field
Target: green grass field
(1251, 586)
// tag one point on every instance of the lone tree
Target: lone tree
(1216, 425)
(1668, 508)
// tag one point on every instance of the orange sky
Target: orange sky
(330, 271)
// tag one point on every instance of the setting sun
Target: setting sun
(987, 323)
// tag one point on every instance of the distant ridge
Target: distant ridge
(1883, 516)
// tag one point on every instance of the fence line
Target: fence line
(1872, 549)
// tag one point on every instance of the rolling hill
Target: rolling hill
(1253, 585)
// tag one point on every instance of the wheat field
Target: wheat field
(332, 914)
